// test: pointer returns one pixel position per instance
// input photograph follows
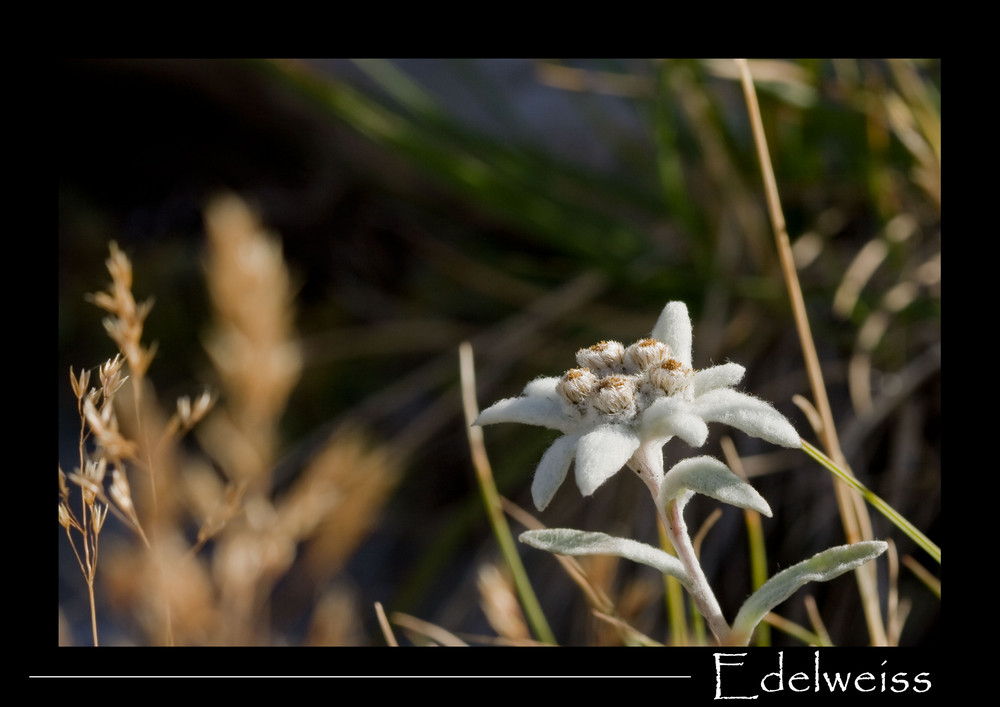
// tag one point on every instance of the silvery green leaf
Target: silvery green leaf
(819, 568)
(745, 412)
(713, 478)
(567, 541)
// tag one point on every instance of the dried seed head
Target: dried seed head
(110, 368)
(672, 377)
(95, 470)
(92, 479)
(99, 515)
(614, 394)
(124, 325)
(253, 344)
(644, 354)
(79, 384)
(202, 405)
(97, 419)
(119, 266)
(110, 375)
(189, 414)
(601, 357)
(576, 384)
(88, 488)
(184, 410)
(104, 425)
(120, 491)
(64, 517)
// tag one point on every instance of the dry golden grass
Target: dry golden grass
(211, 536)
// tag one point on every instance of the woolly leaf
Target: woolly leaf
(567, 541)
(713, 478)
(819, 568)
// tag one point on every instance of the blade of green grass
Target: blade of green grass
(881, 506)
(494, 506)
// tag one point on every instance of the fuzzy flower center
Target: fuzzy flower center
(620, 383)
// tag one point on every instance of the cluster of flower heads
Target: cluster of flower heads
(622, 382)
(621, 405)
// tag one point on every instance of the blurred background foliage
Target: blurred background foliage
(531, 207)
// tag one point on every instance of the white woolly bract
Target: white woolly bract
(600, 453)
(552, 470)
(673, 328)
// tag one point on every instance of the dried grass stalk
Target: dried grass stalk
(252, 344)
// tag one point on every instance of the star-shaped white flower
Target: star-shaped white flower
(621, 405)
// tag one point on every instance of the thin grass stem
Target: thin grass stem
(383, 623)
(596, 597)
(674, 597)
(755, 539)
(93, 611)
(881, 506)
(929, 580)
(431, 631)
(817, 621)
(793, 629)
(857, 525)
(494, 505)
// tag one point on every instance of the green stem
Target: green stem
(532, 609)
(674, 596)
(758, 567)
(881, 506)
(494, 506)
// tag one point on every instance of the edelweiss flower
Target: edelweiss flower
(622, 404)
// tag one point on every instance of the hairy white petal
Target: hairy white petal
(601, 453)
(688, 426)
(711, 477)
(669, 417)
(660, 408)
(722, 376)
(567, 541)
(552, 469)
(541, 411)
(747, 413)
(673, 328)
(545, 387)
(819, 568)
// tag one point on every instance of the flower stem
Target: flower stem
(699, 588)
(647, 462)
(674, 595)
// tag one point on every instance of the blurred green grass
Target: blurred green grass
(412, 226)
